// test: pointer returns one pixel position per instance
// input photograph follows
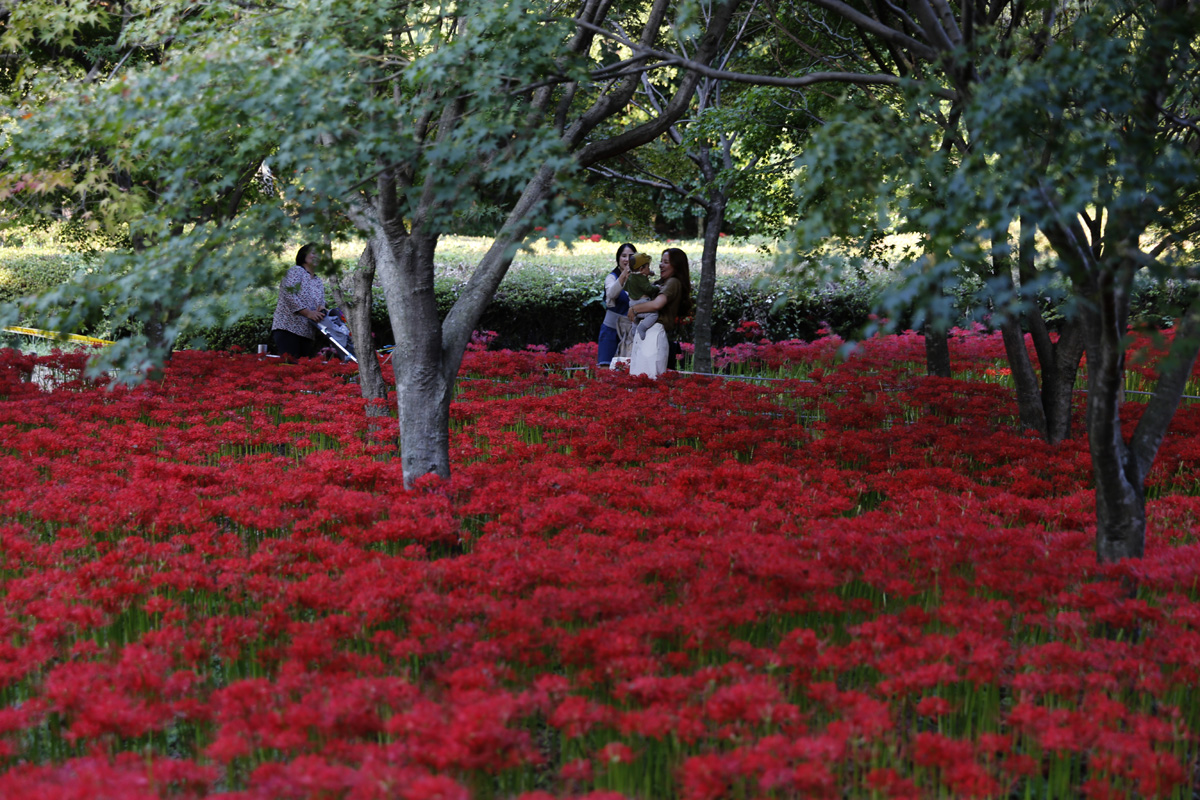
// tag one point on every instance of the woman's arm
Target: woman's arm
(614, 285)
(649, 305)
(291, 300)
(289, 294)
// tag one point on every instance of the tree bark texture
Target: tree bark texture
(423, 391)
(1120, 487)
(714, 219)
(358, 315)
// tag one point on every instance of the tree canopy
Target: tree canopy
(1079, 123)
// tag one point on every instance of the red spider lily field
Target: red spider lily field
(848, 581)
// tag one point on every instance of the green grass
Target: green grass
(457, 256)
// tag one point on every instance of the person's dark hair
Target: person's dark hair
(679, 263)
(302, 254)
(621, 249)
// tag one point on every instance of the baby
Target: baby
(640, 289)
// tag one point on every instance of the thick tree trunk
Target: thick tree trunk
(1045, 406)
(1118, 475)
(714, 218)
(423, 390)
(1058, 378)
(1120, 488)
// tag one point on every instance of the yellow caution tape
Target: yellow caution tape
(73, 337)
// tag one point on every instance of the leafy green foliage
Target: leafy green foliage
(1056, 138)
(172, 148)
(26, 271)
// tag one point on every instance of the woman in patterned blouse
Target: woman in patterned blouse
(301, 303)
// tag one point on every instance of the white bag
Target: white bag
(650, 354)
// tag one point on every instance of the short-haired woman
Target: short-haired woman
(301, 304)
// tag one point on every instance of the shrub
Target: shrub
(551, 306)
(25, 271)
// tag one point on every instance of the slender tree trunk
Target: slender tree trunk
(937, 344)
(937, 351)
(358, 315)
(1059, 361)
(154, 326)
(714, 219)
(1043, 406)
(1025, 379)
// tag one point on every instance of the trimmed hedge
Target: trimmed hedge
(542, 307)
(561, 312)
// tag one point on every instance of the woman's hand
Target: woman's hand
(315, 316)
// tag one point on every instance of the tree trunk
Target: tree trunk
(154, 325)
(1120, 488)
(1120, 469)
(937, 351)
(714, 219)
(1058, 379)
(423, 391)
(1043, 406)
(1059, 361)
(1029, 394)
(358, 316)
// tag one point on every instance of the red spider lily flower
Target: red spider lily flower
(577, 770)
(933, 706)
(575, 716)
(615, 753)
(886, 779)
(707, 777)
(846, 552)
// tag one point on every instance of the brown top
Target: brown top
(673, 290)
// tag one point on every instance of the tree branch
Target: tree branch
(811, 79)
(1173, 377)
(872, 25)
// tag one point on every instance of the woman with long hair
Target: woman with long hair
(615, 327)
(674, 299)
